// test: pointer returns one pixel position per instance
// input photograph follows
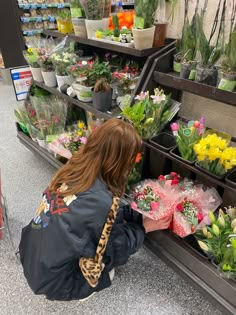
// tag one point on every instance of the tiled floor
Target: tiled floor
(144, 286)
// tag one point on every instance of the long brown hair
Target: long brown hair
(109, 153)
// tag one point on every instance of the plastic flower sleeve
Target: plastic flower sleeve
(154, 200)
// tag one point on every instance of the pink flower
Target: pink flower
(199, 217)
(161, 177)
(174, 127)
(154, 205)
(134, 205)
(142, 96)
(180, 207)
(173, 174)
(83, 140)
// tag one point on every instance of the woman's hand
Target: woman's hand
(152, 225)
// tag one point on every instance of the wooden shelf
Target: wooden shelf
(99, 44)
(86, 106)
(220, 183)
(174, 81)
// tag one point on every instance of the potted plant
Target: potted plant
(102, 95)
(61, 60)
(206, 71)
(214, 156)
(149, 113)
(94, 15)
(187, 135)
(32, 58)
(218, 241)
(48, 71)
(78, 19)
(228, 80)
(64, 21)
(144, 28)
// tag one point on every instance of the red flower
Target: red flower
(173, 174)
(180, 207)
(161, 177)
(175, 181)
(192, 229)
(199, 217)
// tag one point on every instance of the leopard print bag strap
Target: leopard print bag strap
(92, 268)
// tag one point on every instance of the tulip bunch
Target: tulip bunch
(218, 240)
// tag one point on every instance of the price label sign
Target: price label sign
(44, 6)
(21, 79)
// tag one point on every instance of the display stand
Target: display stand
(181, 254)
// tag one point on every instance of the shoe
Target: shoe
(112, 274)
(88, 297)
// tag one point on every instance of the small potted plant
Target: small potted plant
(149, 113)
(94, 16)
(64, 20)
(78, 19)
(228, 71)
(48, 71)
(62, 60)
(144, 28)
(102, 95)
(32, 57)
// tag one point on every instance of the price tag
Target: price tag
(39, 19)
(26, 6)
(34, 6)
(44, 6)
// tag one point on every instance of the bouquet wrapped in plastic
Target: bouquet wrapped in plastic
(154, 198)
(189, 204)
(192, 208)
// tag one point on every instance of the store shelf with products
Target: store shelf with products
(31, 6)
(102, 45)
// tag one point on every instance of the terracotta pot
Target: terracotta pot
(160, 34)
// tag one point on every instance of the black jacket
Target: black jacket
(65, 230)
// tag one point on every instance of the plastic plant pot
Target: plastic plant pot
(198, 166)
(231, 178)
(164, 141)
(102, 100)
(175, 152)
(206, 76)
(185, 70)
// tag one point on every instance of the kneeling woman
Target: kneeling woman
(78, 235)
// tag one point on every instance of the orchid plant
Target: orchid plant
(149, 113)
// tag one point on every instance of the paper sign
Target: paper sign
(21, 78)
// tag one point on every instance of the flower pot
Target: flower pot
(143, 39)
(92, 26)
(66, 27)
(59, 24)
(227, 82)
(84, 93)
(79, 27)
(175, 152)
(206, 76)
(37, 74)
(49, 78)
(42, 143)
(219, 177)
(176, 66)
(102, 100)
(61, 80)
(163, 141)
(231, 178)
(105, 23)
(185, 69)
(160, 34)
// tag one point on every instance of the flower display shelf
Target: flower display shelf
(108, 46)
(180, 254)
(86, 106)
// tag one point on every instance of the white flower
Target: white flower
(84, 63)
(158, 97)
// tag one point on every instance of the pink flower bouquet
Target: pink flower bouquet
(192, 208)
